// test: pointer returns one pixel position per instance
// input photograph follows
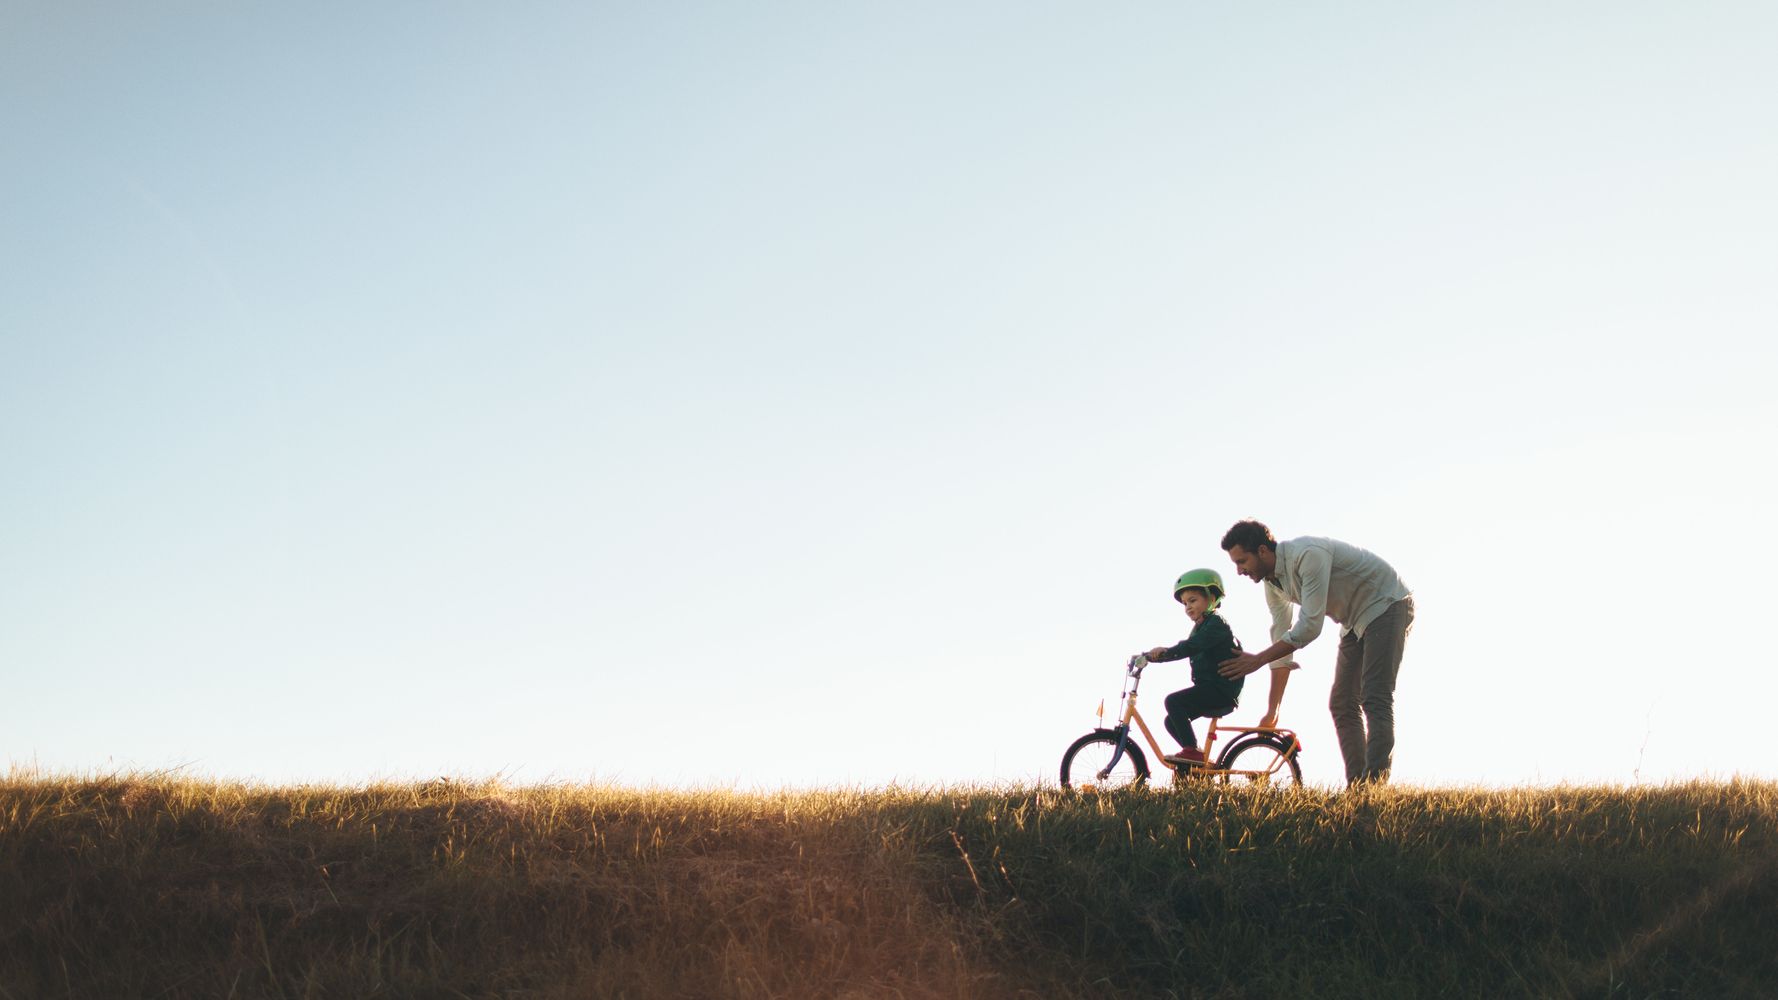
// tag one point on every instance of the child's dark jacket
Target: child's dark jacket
(1211, 642)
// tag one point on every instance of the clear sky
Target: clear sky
(803, 394)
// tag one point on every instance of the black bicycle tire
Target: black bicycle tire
(1131, 750)
(1272, 744)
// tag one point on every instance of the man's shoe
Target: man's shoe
(1186, 757)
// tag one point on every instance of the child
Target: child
(1210, 643)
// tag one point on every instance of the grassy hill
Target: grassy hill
(175, 888)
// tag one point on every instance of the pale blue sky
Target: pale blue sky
(817, 394)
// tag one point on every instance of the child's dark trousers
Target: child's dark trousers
(1194, 703)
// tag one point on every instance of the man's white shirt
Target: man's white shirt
(1327, 578)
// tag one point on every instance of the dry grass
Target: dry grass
(170, 887)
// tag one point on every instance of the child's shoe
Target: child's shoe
(1186, 757)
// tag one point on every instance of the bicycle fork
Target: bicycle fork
(1117, 754)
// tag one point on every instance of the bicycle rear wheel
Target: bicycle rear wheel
(1262, 763)
(1091, 754)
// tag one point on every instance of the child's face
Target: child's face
(1196, 605)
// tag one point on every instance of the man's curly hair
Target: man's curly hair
(1250, 535)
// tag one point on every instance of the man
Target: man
(1331, 579)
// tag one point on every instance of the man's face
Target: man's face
(1255, 565)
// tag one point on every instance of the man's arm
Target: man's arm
(1280, 649)
(1279, 606)
(1314, 569)
(1247, 663)
(1280, 678)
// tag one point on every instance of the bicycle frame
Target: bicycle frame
(1133, 675)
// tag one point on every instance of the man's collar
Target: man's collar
(1277, 564)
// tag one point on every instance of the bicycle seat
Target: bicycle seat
(1222, 714)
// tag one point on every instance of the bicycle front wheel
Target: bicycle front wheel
(1261, 763)
(1087, 764)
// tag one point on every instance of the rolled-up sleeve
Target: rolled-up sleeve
(1313, 569)
(1279, 606)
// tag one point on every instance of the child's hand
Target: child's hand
(1156, 653)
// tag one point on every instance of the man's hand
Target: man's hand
(1240, 666)
(1269, 721)
(1154, 654)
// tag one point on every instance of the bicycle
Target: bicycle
(1109, 758)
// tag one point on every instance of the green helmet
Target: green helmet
(1208, 579)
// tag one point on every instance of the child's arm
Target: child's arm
(1211, 631)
